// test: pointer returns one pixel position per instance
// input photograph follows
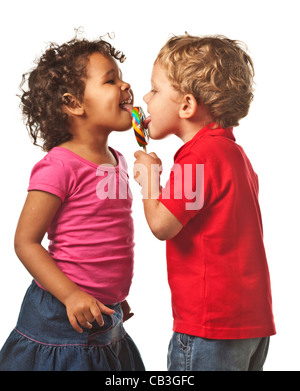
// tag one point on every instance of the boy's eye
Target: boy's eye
(110, 82)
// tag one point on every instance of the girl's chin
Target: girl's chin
(128, 120)
(125, 127)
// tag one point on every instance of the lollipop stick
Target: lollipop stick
(145, 149)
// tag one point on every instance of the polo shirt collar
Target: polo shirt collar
(208, 131)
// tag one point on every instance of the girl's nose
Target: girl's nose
(125, 86)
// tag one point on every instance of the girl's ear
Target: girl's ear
(188, 107)
(72, 104)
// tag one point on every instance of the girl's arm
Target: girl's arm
(39, 209)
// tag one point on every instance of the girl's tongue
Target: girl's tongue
(127, 107)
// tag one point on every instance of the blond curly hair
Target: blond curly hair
(216, 70)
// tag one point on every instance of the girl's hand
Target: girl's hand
(83, 309)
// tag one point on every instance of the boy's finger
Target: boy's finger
(153, 154)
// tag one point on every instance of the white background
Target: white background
(269, 135)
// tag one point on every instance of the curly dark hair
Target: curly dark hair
(61, 69)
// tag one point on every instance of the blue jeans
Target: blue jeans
(190, 353)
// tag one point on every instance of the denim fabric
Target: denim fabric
(44, 340)
(190, 353)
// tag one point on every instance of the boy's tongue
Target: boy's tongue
(147, 121)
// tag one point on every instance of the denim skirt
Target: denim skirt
(44, 340)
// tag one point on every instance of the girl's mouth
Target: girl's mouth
(127, 106)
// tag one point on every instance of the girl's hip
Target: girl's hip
(44, 319)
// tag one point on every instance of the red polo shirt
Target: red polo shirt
(217, 266)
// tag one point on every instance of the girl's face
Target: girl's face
(163, 105)
(105, 93)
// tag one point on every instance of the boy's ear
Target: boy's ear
(72, 104)
(188, 106)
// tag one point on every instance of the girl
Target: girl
(71, 316)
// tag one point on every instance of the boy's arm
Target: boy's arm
(163, 224)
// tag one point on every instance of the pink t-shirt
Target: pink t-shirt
(91, 235)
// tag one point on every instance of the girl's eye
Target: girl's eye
(110, 81)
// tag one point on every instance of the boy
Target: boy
(208, 212)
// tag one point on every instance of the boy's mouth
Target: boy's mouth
(147, 121)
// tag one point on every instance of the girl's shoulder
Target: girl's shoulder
(55, 162)
(64, 160)
(54, 174)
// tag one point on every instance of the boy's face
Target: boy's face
(164, 103)
(104, 94)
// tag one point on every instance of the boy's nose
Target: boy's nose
(145, 98)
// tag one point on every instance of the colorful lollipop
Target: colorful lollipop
(140, 131)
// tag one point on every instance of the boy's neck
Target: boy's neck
(189, 127)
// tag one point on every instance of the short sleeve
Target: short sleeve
(187, 189)
(49, 175)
